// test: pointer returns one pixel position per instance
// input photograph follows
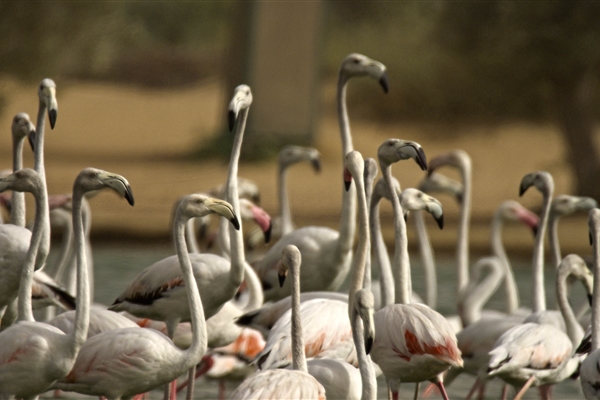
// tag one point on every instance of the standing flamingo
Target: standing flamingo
(413, 342)
(327, 253)
(34, 355)
(121, 363)
(590, 370)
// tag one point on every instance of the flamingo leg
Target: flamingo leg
(440, 384)
(429, 390)
(221, 389)
(546, 392)
(524, 388)
(204, 367)
(481, 391)
(173, 390)
(389, 390)
(417, 387)
(191, 379)
(504, 393)
(473, 389)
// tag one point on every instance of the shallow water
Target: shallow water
(115, 266)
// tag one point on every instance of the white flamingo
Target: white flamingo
(541, 354)
(282, 225)
(590, 370)
(279, 383)
(327, 253)
(121, 363)
(34, 355)
(413, 342)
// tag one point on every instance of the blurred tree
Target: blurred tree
(549, 49)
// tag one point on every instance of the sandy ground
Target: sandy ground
(146, 135)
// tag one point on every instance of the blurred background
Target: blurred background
(143, 87)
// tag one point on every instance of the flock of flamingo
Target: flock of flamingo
(205, 313)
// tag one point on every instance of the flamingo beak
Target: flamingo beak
(383, 81)
(347, 179)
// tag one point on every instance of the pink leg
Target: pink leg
(204, 367)
(429, 390)
(481, 391)
(394, 395)
(440, 384)
(546, 392)
(191, 379)
(504, 394)
(473, 389)
(173, 390)
(221, 389)
(524, 389)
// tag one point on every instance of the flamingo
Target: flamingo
(413, 342)
(288, 156)
(158, 292)
(590, 372)
(34, 355)
(278, 383)
(327, 253)
(540, 354)
(121, 363)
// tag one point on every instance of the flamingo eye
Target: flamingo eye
(356, 61)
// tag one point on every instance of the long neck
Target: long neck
(510, 285)
(256, 296)
(369, 197)
(382, 259)
(298, 356)
(477, 295)
(82, 311)
(427, 258)
(574, 329)
(199, 337)
(348, 214)
(236, 238)
(57, 270)
(462, 251)
(284, 203)
(17, 211)
(360, 257)
(190, 236)
(596, 298)
(539, 294)
(365, 365)
(401, 263)
(553, 236)
(24, 303)
(38, 166)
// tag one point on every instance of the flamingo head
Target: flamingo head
(364, 304)
(513, 211)
(354, 166)
(47, 96)
(22, 127)
(249, 210)
(292, 154)
(414, 200)
(456, 158)
(542, 181)
(359, 65)
(593, 223)
(242, 99)
(394, 150)
(435, 182)
(23, 180)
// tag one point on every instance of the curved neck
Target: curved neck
(190, 236)
(298, 356)
(348, 214)
(596, 296)
(199, 336)
(365, 365)
(82, 311)
(510, 284)
(382, 259)
(38, 166)
(427, 258)
(284, 204)
(236, 238)
(17, 211)
(462, 251)
(401, 262)
(41, 211)
(539, 293)
(477, 294)
(360, 257)
(256, 296)
(553, 236)
(574, 330)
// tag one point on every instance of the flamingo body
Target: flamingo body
(280, 384)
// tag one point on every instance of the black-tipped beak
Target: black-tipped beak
(347, 179)
(421, 159)
(268, 233)
(231, 120)
(281, 280)
(405, 217)
(31, 139)
(129, 196)
(235, 223)
(522, 189)
(440, 221)
(347, 185)
(535, 231)
(383, 81)
(52, 115)
(316, 164)
(591, 238)
(256, 199)
(368, 344)
(590, 299)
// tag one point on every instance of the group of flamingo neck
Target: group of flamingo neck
(17, 210)
(41, 213)
(360, 256)
(298, 356)
(510, 285)
(463, 229)
(574, 329)
(539, 293)
(380, 253)
(428, 259)
(595, 233)
(82, 315)
(236, 275)
(476, 294)
(38, 166)
(401, 263)
(199, 336)
(369, 178)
